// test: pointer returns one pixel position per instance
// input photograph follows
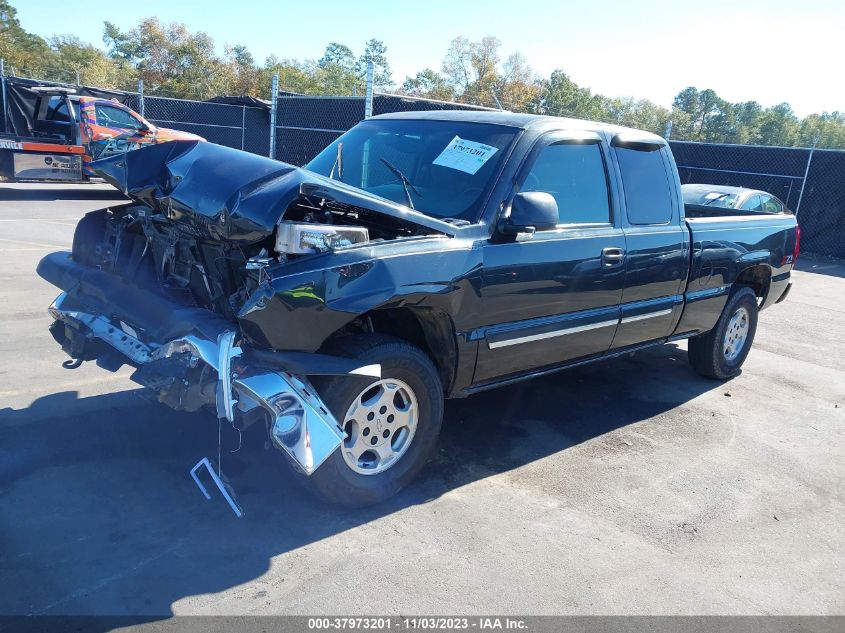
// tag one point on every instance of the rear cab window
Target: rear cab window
(57, 109)
(646, 185)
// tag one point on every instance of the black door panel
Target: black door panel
(657, 261)
(549, 287)
(656, 266)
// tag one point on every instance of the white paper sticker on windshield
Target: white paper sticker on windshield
(466, 156)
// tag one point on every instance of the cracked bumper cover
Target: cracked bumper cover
(300, 423)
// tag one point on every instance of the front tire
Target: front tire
(392, 423)
(721, 352)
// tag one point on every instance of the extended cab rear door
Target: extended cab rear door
(657, 259)
(554, 296)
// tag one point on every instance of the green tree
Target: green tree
(472, 71)
(375, 51)
(517, 87)
(245, 76)
(457, 68)
(560, 96)
(294, 76)
(429, 84)
(73, 57)
(171, 60)
(779, 125)
(707, 115)
(747, 122)
(25, 54)
(336, 70)
(825, 130)
(641, 114)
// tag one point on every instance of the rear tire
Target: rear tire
(392, 423)
(721, 352)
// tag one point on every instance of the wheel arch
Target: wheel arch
(758, 277)
(430, 329)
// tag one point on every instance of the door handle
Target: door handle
(612, 256)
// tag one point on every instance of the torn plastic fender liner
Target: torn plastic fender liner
(230, 195)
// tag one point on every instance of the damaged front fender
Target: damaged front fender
(300, 305)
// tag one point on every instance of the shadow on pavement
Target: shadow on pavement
(821, 265)
(99, 516)
(52, 193)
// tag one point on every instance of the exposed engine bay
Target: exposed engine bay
(150, 251)
(176, 284)
(166, 242)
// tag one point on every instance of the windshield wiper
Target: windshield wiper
(406, 184)
(338, 163)
(712, 200)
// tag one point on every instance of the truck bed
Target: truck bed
(704, 211)
(755, 248)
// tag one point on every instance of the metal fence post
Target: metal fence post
(274, 100)
(78, 83)
(141, 97)
(668, 133)
(3, 87)
(368, 98)
(243, 125)
(806, 173)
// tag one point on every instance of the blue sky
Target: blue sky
(769, 51)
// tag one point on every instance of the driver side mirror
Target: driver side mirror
(530, 211)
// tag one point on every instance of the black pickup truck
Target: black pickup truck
(419, 256)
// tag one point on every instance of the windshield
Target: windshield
(440, 168)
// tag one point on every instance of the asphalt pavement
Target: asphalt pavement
(631, 486)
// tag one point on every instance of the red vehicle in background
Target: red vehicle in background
(65, 132)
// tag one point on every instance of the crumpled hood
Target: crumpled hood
(230, 195)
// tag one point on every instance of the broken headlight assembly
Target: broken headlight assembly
(303, 238)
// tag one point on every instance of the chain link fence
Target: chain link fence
(306, 124)
(237, 126)
(810, 182)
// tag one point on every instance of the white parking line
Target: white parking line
(23, 250)
(38, 244)
(65, 384)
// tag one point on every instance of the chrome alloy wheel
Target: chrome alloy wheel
(380, 425)
(736, 335)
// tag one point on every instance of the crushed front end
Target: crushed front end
(160, 284)
(200, 366)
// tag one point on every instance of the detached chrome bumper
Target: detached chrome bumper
(300, 423)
